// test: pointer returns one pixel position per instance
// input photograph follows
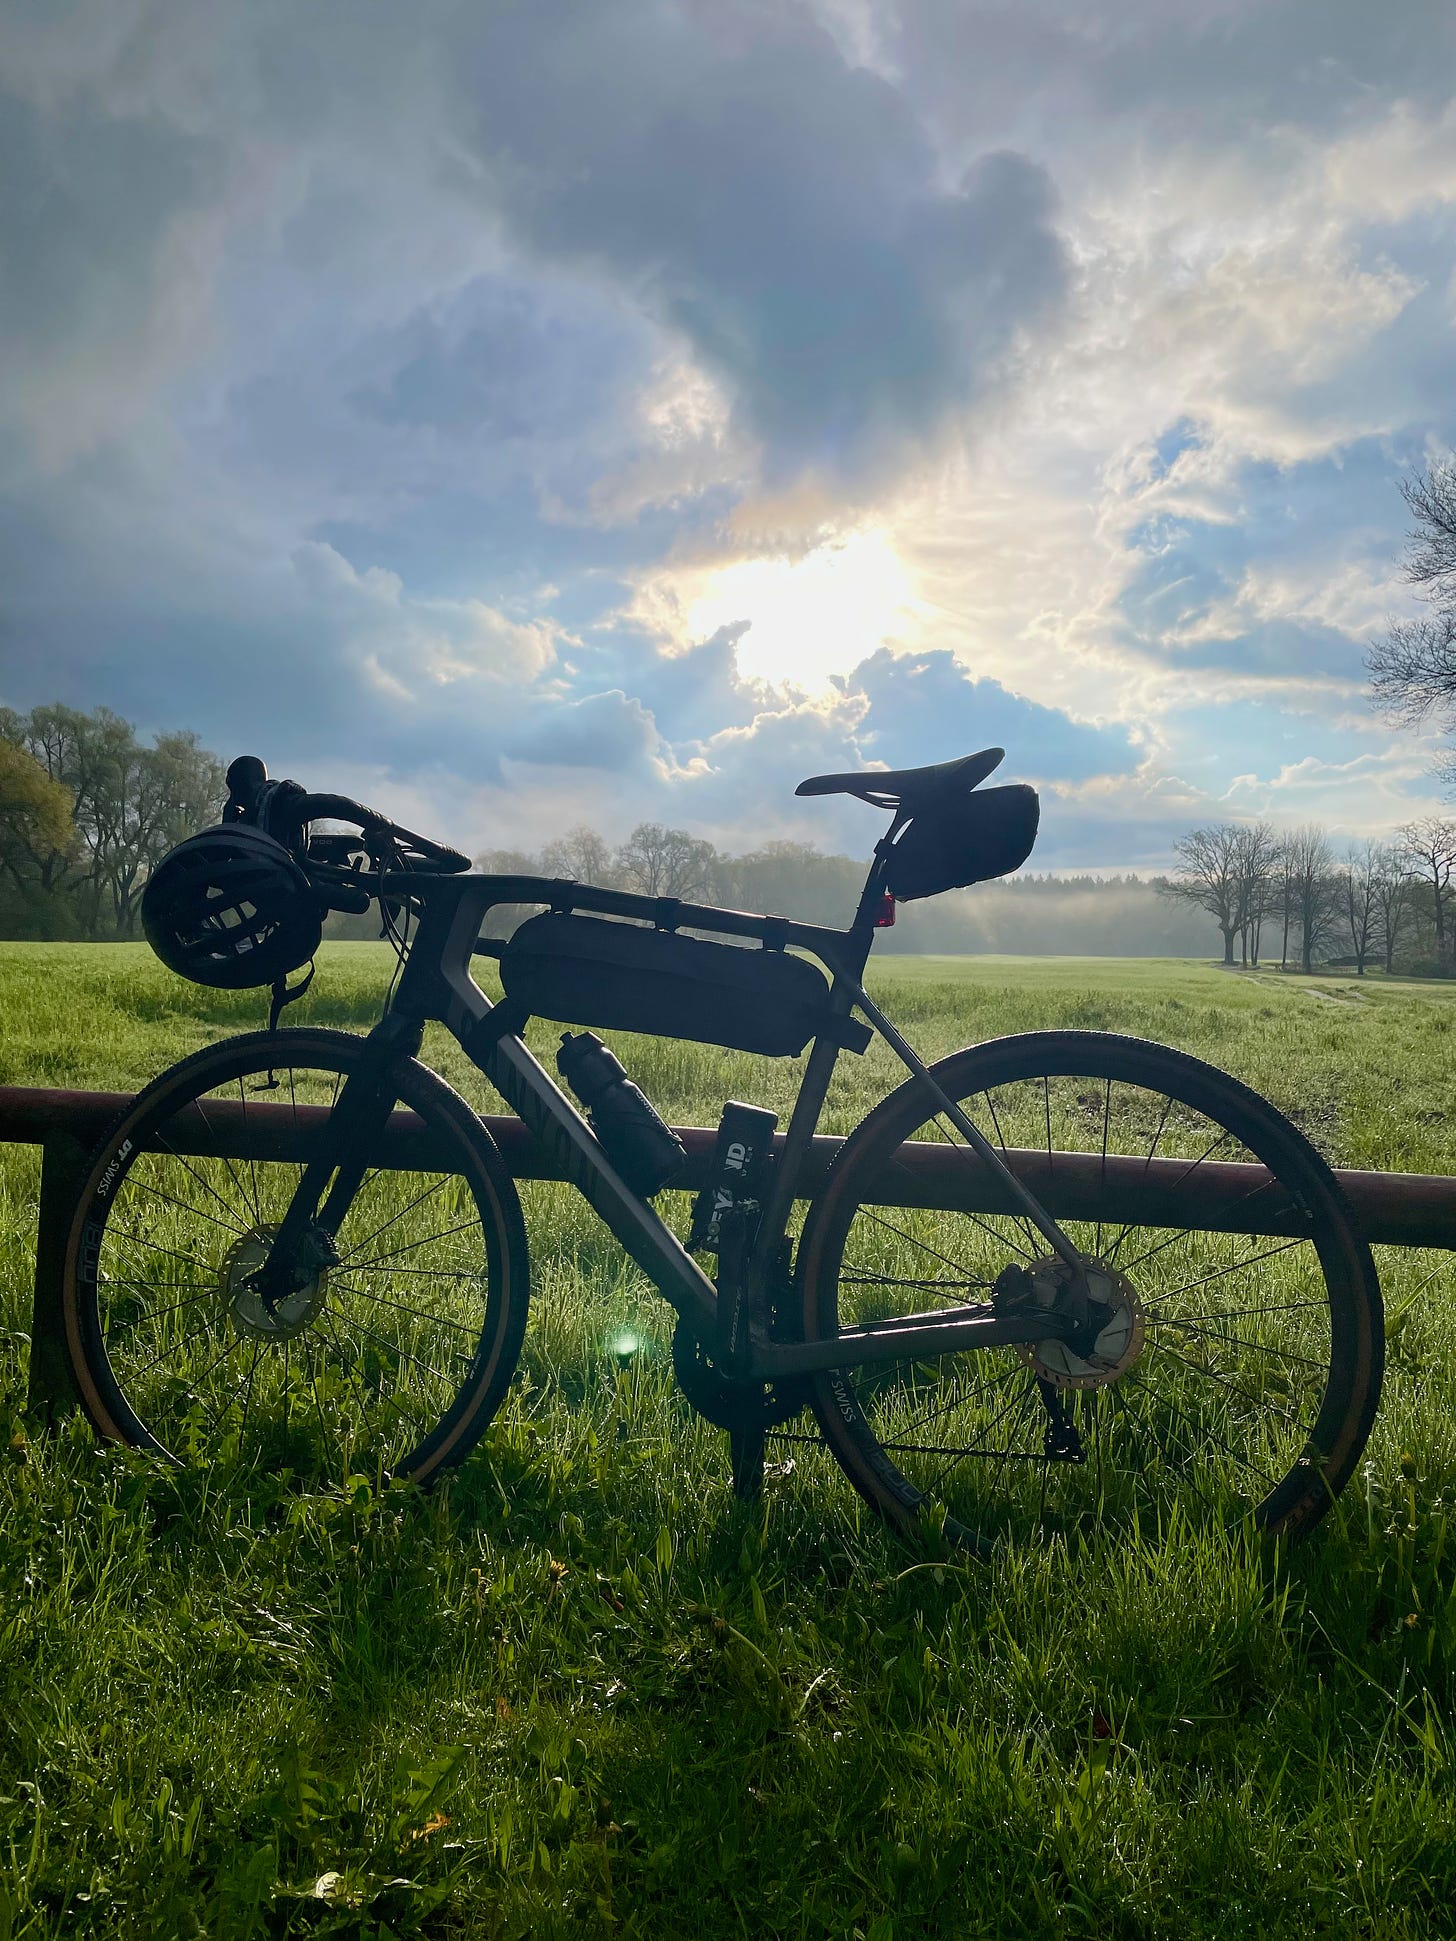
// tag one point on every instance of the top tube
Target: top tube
(664, 912)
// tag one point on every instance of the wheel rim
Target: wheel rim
(1223, 1383)
(365, 1369)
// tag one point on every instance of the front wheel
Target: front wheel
(391, 1357)
(1235, 1371)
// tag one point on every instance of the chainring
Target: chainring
(731, 1405)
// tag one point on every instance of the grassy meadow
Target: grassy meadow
(577, 1690)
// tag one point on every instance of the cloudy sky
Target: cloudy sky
(523, 411)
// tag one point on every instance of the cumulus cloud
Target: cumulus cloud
(777, 206)
(626, 409)
(612, 732)
(926, 707)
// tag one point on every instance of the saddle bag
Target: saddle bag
(987, 833)
(625, 977)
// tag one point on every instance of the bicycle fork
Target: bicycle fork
(305, 1243)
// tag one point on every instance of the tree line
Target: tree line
(655, 860)
(1376, 902)
(86, 812)
(1034, 915)
(87, 809)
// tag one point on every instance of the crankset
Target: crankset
(728, 1404)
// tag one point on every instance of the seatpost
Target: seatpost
(872, 895)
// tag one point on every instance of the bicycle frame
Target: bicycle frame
(437, 985)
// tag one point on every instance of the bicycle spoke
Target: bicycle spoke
(1158, 1130)
(962, 1455)
(155, 1246)
(346, 1362)
(156, 1313)
(227, 1226)
(231, 1349)
(324, 1437)
(430, 1320)
(1032, 1237)
(1221, 1273)
(418, 1200)
(478, 1276)
(924, 1245)
(1242, 1341)
(293, 1103)
(890, 1280)
(1001, 1239)
(248, 1388)
(994, 1380)
(393, 1348)
(252, 1169)
(207, 1187)
(197, 1106)
(356, 1266)
(162, 1353)
(1257, 1401)
(1243, 1200)
(1228, 1449)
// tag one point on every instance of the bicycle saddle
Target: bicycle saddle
(907, 788)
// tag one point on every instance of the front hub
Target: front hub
(241, 1266)
(1118, 1320)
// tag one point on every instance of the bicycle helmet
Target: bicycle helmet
(232, 909)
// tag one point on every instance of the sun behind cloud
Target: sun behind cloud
(810, 618)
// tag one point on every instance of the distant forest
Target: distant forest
(87, 810)
(1035, 915)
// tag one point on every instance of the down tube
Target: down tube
(528, 1089)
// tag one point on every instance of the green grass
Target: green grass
(580, 1692)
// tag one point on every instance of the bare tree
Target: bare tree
(1413, 669)
(667, 862)
(162, 794)
(1392, 898)
(1429, 847)
(581, 855)
(1359, 894)
(1312, 888)
(1210, 873)
(1281, 897)
(1256, 859)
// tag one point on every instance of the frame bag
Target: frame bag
(625, 977)
(985, 834)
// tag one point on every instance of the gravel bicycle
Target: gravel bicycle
(1051, 1278)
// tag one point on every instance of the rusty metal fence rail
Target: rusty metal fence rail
(1394, 1209)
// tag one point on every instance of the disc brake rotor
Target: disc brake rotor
(250, 1312)
(1119, 1340)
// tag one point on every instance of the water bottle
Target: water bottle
(645, 1151)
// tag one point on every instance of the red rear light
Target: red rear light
(886, 919)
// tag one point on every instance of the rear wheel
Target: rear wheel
(392, 1358)
(1235, 1371)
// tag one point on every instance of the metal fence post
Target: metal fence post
(51, 1392)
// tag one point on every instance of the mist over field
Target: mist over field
(1055, 917)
